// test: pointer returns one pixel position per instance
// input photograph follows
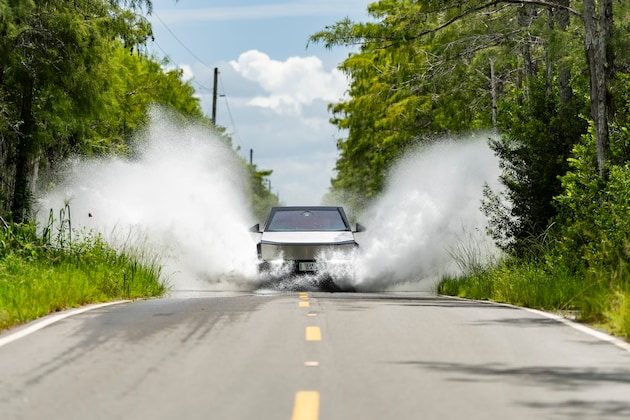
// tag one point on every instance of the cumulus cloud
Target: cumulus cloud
(290, 84)
(187, 71)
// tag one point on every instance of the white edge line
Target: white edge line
(600, 335)
(38, 325)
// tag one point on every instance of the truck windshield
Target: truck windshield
(306, 220)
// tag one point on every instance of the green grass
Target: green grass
(39, 276)
(525, 285)
(617, 312)
(607, 304)
(600, 297)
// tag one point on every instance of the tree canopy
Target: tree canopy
(526, 68)
(75, 79)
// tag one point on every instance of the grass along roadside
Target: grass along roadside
(39, 276)
(598, 297)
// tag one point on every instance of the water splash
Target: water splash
(429, 208)
(427, 223)
(184, 195)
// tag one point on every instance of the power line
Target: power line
(180, 42)
(227, 105)
(193, 80)
(224, 95)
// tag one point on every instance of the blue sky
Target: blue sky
(276, 90)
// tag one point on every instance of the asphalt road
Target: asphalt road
(312, 356)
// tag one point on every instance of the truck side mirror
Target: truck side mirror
(360, 228)
(255, 228)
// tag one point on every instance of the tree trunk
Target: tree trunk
(525, 17)
(598, 30)
(21, 201)
(564, 71)
(495, 93)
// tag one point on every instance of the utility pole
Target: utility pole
(251, 156)
(214, 96)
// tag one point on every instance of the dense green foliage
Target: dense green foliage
(594, 214)
(541, 74)
(537, 140)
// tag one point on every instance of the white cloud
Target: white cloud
(292, 83)
(187, 71)
(282, 104)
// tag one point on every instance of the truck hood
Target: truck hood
(315, 238)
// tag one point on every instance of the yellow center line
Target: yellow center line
(313, 334)
(303, 296)
(304, 304)
(306, 406)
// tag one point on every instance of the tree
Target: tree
(423, 70)
(598, 25)
(262, 197)
(139, 82)
(537, 140)
(49, 82)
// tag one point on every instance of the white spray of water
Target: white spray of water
(430, 208)
(184, 195)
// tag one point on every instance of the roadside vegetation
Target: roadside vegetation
(40, 274)
(599, 296)
(77, 82)
(552, 80)
(580, 265)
